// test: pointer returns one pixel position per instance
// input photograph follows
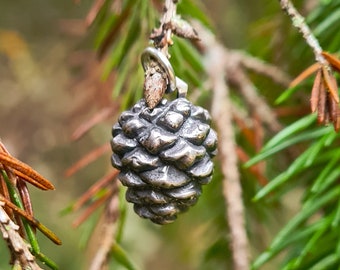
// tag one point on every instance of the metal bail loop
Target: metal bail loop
(182, 88)
(150, 54)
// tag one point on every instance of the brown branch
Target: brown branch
(327, 103)
(222, 64)
(171, 24)
(19, 249)
(108, 230)
(162, 35)
(261, 67)
(221, 112)
(255, 101)
(299, 22)
(100, 260)
(234, 69)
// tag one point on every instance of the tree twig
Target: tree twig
(299, 22)
(16, 244)
(261, 67)
(255, 101)
(221, 112)
(171, 23)
(234, 69)
(162, 35)
(108, 227)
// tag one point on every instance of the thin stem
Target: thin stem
(251, 96)
(299, 22)
(162, 35)
(260, 67)
(108, 229)
(171, 24)
(169, 11)
(16, 244)
(221, 112)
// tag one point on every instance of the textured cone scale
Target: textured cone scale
(164, 156)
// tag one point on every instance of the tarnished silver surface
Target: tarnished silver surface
(182, 88)
(164, 156)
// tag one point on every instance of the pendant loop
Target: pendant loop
(163, 61)
(150, 54)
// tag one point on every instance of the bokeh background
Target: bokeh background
(50, 83)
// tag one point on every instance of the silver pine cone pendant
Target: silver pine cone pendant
(163, 153)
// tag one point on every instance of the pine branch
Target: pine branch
(157, 80)
(19, 249)
(227, 67)
(221, 112)
(327, 85)
(108, 228)
(15, 201)
(261, 67)
(255, 101)
(171, 23)
(162, 35)
(299, 22)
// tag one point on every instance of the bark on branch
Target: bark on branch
(222, 113)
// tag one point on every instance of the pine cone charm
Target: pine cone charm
(164, 156)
